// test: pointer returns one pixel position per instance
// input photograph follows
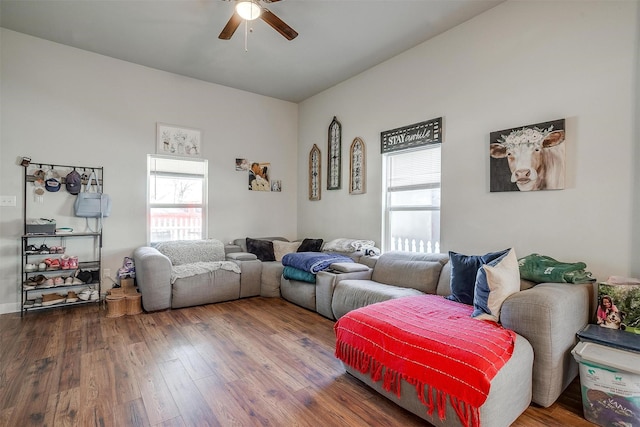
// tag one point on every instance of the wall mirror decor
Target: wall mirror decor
(335, 155)
(357, 167)
(314, 173)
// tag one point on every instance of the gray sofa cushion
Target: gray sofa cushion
(419, 271)
(351, 294)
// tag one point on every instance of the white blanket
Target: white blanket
(195, 268)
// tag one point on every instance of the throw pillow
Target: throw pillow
(310, 245)
(280, 249)
(263, 249)
(494, 283)
(464, 269)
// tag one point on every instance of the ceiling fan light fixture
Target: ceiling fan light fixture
(248, 10)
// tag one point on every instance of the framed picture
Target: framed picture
(178, 140)
(314, 173)
(259, 176)
(528, 158)
(334, 162)
(357, 167)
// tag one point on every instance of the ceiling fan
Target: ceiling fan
(250, 10)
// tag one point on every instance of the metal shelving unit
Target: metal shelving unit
(28, 291)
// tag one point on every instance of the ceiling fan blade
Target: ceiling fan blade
(278, 25)
(231, 27)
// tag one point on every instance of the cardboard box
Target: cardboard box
(619, 306)
(610, 383)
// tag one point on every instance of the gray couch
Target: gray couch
(206, 275)
(545, 317)
(316, 297)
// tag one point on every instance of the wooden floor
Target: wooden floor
(257, 361)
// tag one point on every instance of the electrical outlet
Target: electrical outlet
(106, 272)
(8, 201)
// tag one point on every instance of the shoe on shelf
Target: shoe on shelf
(48, 283)
(38, 302)
(84, 294)
(77, 281)
(54, 264)
(73, 262)
(51, 299)
(68, 281)
(31, 249)
(85, 276)
(30, 268)
(44, 249)
(72, 297)
(29, 303)
(28, 286)
(58, 281)
(65, 262)
(94, 295)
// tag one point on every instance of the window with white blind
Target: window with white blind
(177, 199)
(412, 200)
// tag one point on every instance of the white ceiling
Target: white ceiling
(337, 38)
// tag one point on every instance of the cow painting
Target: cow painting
(535, 158)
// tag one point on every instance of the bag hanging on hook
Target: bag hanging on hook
(92, 204)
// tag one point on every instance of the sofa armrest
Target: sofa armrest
(153, 276)
(549, 315)
(241, 256)
(250, 273)
(325, 284)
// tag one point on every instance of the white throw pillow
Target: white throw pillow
(280, 248)
(494, 283)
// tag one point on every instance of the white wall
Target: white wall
(520, 63)
(68, 106)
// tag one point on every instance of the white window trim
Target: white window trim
(205, 193)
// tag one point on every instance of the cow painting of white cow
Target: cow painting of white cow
(535, 156)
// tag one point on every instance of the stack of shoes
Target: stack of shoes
(51, 299)
(72, 297)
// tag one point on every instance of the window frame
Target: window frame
(204, 205)
(388, 190)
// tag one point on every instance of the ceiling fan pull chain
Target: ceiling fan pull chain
(246, 35)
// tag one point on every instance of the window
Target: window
(412, 200)
(177, 199)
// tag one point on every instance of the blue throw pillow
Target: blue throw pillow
(464, 269)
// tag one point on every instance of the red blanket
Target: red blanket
(429, 342)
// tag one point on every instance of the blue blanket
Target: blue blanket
(292, 273)
(312, 261)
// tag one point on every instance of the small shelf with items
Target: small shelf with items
(60, 266)
(51, 278)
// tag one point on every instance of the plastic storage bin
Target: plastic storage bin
(610, 382)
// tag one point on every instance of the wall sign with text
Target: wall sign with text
(416, 135)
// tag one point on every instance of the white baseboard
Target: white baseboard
(9, 307)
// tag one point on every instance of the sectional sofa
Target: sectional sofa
(544, 316)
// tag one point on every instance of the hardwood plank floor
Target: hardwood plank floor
(256, 361)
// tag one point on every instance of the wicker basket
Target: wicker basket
(134, 303)
(116, 305)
